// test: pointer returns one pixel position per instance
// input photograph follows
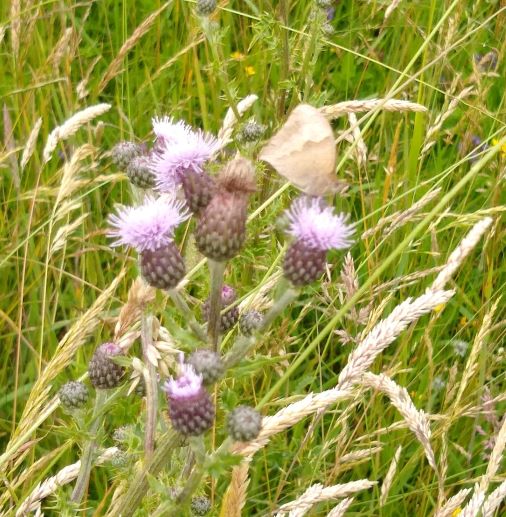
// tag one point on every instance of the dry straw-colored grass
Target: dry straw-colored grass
(389, 477)
(391, 8)
(340, 509)
(318, 493)
(359, 149)
(416, 420)
(235, 495)
(453, 503)
(71, 126)
(442, 117)
(359, 106)
(63, 477)
(31, 143)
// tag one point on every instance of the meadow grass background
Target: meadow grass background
(58, 57)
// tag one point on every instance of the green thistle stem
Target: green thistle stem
(213, 326)
(83, 477)
(150, 379)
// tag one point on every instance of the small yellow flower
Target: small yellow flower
(457, 512)
(503, 147)
(463, 322)
(439, 308)
(249, 71)
(237, 56)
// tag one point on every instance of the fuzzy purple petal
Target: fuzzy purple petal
(173, 159)
(188, 384)
(148, 226)
(314, 223)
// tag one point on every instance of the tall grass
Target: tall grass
(417, 186)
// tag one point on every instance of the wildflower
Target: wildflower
(191, 409)
(316, 230)
(229, 318)
(460, 347)
(149, 228)
(207, 363)
(73, 395)
(180, 150)
(250, 70)
(124, 152)
(201, 505)
(244, 424)
(438, 383)
(502, 150)
(237, 56)
(139, 172)
(251, 131)
(102, 371)
(249, 322)
(221, 228)
(206, 7)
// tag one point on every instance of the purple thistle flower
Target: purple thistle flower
(314, 224)
(149, 226)
(191, 409)
(187, 385)
(169, 132)
(181, 150)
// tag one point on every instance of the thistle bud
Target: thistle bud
(228, 318)
(103, 372)
(201, 505)
(208, 364)
(244, 424)
(73, 395)
(124, 152)
(221, 228)
(139, 172)
(251, 131)
(191, 409)
(249, 322)
(206, 7)
(198, 188)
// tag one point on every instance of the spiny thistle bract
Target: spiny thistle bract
(244, 423)
(73, 395)
(201, 505)
(149, 228)
(251, 131)
(316, 230)
(124, 152)
(221, 227)
(249, 322)
(206, 7)
(191, 409)
(228, 318)
(208, 364)
(139, 172)
(103, 372)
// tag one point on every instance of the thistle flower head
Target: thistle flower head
(182, 149)
(148, 226)
(169, 132)
(315, 224)
(186, 385)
